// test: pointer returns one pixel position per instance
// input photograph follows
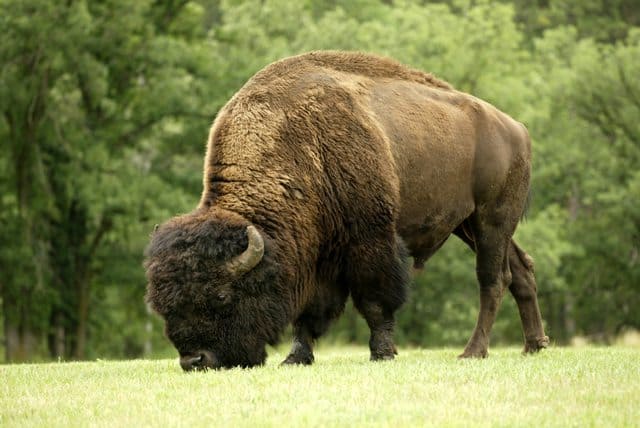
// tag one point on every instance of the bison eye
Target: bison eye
(222, 297)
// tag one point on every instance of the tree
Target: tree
(89, 82)
(106, 107)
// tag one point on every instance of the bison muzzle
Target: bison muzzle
(323, 174)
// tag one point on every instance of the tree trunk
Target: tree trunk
(82, 288)
(20, 342)
(569, 321)
(574, 206)
(19, 338)
(57, 335)
(83, 281)
(148, 328)
(10, 341)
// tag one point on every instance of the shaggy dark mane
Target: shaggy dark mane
(206, 237)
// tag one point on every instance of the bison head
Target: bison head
(214, 281)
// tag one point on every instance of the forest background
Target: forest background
(106, 107)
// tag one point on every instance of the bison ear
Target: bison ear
(251, 256)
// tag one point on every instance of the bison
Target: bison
(323, 174)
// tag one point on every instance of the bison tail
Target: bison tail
(527, 204)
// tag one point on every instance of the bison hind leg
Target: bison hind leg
(491, 241)
(524, 291)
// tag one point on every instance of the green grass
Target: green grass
(561, 387)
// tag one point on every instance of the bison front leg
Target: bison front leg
(302, 346)
(378, 278)
(325, 307)
(381, 323)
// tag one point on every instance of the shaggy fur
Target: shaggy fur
(346, 163)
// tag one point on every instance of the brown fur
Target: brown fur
(337, 158)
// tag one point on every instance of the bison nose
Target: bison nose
(189, 362)
(201, 360)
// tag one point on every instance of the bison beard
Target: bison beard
(322, 175)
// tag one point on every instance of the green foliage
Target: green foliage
(92, 83)
(105, 113)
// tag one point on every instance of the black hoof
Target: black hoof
(474, 354)
(533, 346)
(381, 357)
(305, 360)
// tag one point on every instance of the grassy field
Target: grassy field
(561, 387)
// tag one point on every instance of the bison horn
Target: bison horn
(251, 256)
